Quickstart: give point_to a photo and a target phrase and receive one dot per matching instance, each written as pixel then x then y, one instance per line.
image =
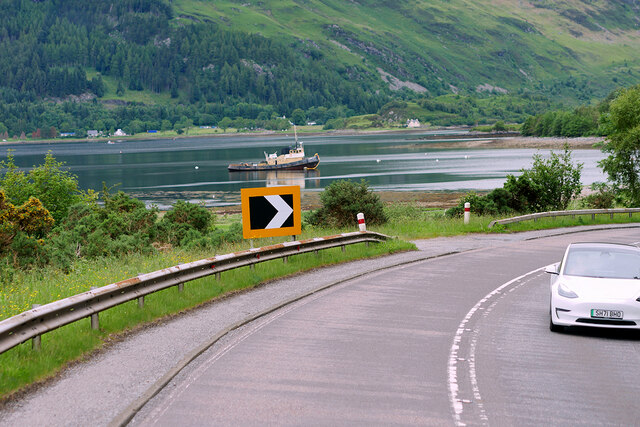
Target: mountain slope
pixel 454 45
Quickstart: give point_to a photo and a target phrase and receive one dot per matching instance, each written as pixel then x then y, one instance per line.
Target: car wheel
pixel 555 328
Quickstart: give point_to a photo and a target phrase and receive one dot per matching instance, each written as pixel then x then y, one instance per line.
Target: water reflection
pixel 162 171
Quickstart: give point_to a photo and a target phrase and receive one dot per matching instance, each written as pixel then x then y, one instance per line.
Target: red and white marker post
pixel 467 212
pixel 361 224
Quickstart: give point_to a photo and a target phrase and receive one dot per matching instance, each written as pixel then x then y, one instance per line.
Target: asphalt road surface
pixel 454 334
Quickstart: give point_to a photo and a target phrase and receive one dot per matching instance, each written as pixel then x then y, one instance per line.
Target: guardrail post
pixel 361 224
pixel 285 259
pixel 36 341
pixel 611 215
pixel 630 214
pixel 51 317
pixel 180 286
pixel 218 275
pixel 593 217
pixel 467 212
pixel 95 321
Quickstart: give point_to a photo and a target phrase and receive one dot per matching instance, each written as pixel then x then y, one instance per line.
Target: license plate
pixel 606 314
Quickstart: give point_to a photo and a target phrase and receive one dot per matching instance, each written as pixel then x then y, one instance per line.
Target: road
pixel 455 333
pixel 461 339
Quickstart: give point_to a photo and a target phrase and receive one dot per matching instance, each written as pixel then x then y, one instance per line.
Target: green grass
pixel 21 365
pixel 411 222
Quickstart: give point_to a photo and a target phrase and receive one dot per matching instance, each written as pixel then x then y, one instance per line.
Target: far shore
pixel 473 140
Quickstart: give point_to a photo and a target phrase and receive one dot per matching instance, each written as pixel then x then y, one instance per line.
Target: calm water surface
pixel 164 170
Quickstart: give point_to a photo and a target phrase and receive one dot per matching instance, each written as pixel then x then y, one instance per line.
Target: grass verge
pixel 22 366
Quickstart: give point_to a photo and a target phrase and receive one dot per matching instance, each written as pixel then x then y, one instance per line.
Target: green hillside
pixel 462 45
pixel 73 65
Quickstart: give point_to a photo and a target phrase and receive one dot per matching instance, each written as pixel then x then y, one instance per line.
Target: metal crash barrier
pixel 553 214
pixel 31 324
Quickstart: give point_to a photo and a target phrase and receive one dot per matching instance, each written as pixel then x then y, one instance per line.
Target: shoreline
pixel 472 140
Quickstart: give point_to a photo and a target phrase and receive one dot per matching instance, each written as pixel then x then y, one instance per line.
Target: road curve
pixel 455 340
pixel 411 372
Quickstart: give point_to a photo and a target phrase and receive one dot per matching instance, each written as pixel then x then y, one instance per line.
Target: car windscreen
pixel 603 262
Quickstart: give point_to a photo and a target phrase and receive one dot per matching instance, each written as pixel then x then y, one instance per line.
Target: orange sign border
pixel 246 193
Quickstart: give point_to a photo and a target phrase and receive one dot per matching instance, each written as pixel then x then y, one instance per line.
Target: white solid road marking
pixel 454 400
pixel 283 208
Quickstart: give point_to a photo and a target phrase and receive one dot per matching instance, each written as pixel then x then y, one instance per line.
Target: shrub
pixel 341 202
pixel 196 216
pixel 603 198
pixel 549 185
pixel 20 228
pixel 185 222
pixel 56 188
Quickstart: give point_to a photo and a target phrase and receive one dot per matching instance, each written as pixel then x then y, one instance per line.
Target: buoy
pixel 377 160
pixel 196 167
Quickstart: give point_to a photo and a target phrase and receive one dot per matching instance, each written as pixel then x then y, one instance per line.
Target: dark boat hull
pixel 306 163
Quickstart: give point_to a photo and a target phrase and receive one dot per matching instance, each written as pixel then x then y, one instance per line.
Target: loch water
pixel 161 171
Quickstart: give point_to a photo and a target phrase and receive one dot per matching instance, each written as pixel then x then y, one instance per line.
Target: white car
pixel 596 284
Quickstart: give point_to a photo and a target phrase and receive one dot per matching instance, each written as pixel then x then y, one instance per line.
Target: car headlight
pixel 564 291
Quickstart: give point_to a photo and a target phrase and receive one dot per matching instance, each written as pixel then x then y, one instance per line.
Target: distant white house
pixel 119 132
pixel 413 123
pixel 92 133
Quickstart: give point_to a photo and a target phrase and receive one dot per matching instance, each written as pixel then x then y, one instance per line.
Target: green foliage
pixel 55 187
pixel 184 223
pixel 123 225
pixel 499 201
pixel 133 53
pixel 550 184
pixel 623 145
pixel 20 230
pixel 603 197
pixel 499 126
pixel 342 200
pixel 583 121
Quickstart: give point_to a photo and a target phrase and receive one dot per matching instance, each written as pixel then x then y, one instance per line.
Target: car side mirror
pixel 552 269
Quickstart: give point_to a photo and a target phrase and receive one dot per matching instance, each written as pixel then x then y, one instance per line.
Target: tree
pixel 549 185
pixel 623 145
pixel 225 123
pixel 298 117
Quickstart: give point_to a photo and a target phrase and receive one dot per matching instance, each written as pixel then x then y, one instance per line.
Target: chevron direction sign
pixel 271 211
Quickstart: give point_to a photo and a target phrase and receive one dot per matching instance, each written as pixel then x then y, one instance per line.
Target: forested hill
pixel 162 60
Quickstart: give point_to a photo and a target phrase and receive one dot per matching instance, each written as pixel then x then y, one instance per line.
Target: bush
pixel 196 216
pixel 56 188
pixel 603 198
pixel 496 202
pixel 185 222
pixel 549 185
pixel 343 200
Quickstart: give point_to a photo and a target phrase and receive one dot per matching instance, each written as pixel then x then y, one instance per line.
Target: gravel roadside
pixel 99 390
